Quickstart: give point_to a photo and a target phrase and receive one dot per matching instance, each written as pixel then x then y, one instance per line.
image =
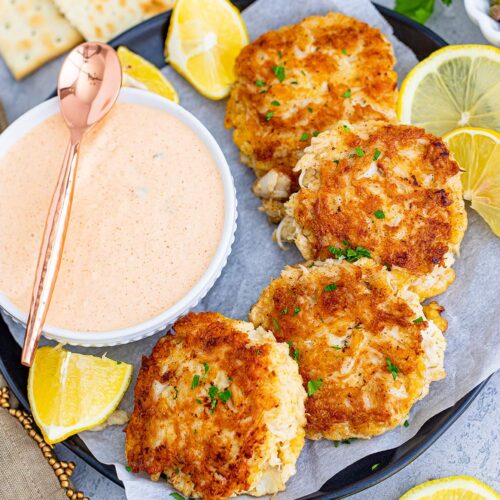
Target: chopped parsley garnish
pixel 195 382
pixel 418 320
pixel 336 161
pixel 379 214
pixel 279 71
pixel 296 311
pixel 206 367
pixel 392 368
pixel 199 401
pixel 387 266
pixel 376 155
pixel 295 352
pixel 346 128
pixel 337 347
pixel 313 386
pixel 213 391
pixel 315 133
pixel 276 324
pixel 310 109
pixel 213 405
pixel 406 423
pixel 346 94
pixel 260 83
pixel 375 466
pixel 225 395
pixel 331 287
pixel 269 115
pixel 118 362
pixel 275 103
pixel 350 254
pixel 344 51
pixel 284 311
pixel 303 72
pixel 257 352
pixel 305 136
pixel 294 82
pixel 128 468
pixel 344 441
pixel 359 152
pixel 280 54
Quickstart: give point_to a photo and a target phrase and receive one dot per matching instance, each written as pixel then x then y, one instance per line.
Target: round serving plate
pixel 148 39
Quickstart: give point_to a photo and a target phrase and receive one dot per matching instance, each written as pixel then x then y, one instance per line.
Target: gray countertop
pixel 469 447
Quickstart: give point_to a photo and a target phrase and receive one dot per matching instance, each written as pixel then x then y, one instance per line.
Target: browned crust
pixel 363 299
pixel 205 456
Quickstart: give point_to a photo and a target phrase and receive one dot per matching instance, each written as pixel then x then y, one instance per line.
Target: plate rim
pixel 444 420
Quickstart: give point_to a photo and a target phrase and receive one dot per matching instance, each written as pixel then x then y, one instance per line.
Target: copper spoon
pixel 89 83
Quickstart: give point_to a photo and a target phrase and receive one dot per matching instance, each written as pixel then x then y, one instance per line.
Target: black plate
pixel 148 40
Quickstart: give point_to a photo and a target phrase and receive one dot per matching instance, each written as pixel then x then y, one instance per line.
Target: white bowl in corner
pixel 478 11
pixel 139 331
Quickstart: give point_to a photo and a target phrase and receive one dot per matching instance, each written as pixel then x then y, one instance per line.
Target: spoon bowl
pixel 89 84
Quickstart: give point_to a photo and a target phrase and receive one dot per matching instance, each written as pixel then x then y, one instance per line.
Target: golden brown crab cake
pixel 364 348
pixel 392 190
pixel 219 410
pixel 300 80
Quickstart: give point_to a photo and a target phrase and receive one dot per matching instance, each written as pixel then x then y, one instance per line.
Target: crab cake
pixel 299 80
pixel 219 410
pixel 392 191
pixel 365 350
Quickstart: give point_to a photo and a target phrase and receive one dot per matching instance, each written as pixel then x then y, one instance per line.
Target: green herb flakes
pixel 418 320
pixel 260 83
pixel 376 155
pixel 269 115
pixel 279 71
pixel 213 391
pixel 344 51
pixel 346 128
pixel 392 368
pixel 176 392
pixel 195 382
pixel 350 254
pixel 296 311
pixel 359 152
pixel 379 214
pixel 313 386
pixel 331 287
pixel 315 133
pixel 310 109
pixel 206 367
pixel 128 468
pixel 284 311
pixel 275 103
pixel 305 136
pixel 346 94
pixel 406 423
pixel 375 466
pixel 118 362
pixel 225 395
pixel 280 54
pixel 276 325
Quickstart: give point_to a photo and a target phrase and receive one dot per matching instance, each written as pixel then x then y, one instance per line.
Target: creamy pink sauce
pixel 147 217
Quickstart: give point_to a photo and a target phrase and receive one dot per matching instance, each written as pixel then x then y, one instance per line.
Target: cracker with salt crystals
pixel 31 33
pixel 101 20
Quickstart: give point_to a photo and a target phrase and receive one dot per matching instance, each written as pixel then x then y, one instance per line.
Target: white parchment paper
pixel 472 303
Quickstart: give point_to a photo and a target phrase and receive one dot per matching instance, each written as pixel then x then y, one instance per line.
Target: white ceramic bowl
pixel 478 11
pixel 136 332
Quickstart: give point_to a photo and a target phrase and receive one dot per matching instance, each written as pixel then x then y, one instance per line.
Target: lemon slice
pixel 452 488
pixel 141 74
pixel 477 151
pixel 70 392
pixel 454 87
pixel 203 41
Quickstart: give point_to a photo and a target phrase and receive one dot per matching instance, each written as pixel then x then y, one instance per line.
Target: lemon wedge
pixel 140 73
pixel 456 86
pixel 70 392
pixel 477 151
pixel 203 41
pixel 452 488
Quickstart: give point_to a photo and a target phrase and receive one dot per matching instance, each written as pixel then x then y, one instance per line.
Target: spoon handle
pixel 51 250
